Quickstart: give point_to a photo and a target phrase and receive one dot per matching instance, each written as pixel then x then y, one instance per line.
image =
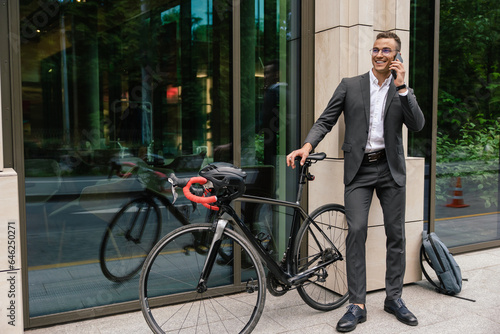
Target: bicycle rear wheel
pixel 322 239
pixel 128 239
pixel 233 301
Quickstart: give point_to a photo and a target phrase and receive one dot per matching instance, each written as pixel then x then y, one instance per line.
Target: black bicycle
pixel 185 285
pixel 136 227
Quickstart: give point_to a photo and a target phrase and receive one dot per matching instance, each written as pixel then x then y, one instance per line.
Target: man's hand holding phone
pixel 398 72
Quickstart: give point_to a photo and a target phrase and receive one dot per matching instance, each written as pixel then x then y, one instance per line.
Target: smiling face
pixel 380 62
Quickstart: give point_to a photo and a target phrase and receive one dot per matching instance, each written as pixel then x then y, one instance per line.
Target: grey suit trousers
pixel 375 177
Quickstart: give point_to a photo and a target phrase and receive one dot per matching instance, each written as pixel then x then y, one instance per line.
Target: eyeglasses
pixel 385 51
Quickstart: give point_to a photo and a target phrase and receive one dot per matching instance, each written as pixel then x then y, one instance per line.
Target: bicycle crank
pixel 274 286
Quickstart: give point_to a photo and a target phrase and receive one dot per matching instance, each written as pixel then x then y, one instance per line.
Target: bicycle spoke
pixel 320 247
pixel 224 307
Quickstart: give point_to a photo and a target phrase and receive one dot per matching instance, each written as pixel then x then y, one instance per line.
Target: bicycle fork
pixel 212 255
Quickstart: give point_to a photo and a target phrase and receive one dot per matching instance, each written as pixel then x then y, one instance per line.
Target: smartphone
pixel 398 57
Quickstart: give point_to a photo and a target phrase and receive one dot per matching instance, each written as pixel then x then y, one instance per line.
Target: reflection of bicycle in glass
pixel 135 229
pixel 208 292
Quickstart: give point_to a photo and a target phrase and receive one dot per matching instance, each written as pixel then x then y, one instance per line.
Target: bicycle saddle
pixel 317 156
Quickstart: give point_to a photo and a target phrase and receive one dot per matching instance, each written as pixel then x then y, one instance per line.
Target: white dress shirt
pixel 378 98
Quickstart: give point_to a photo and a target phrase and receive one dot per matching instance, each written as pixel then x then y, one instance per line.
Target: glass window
pixel 269 113
pixel 468 132
pixel 119 94
pixel 116 94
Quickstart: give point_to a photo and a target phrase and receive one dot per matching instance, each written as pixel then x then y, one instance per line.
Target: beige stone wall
pixel 344 33
pixel 11 306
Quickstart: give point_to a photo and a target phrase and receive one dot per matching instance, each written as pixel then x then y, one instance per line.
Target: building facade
pixel 90 88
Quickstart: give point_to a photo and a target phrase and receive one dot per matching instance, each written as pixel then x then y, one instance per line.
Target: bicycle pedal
pixel 322 275
pixel 251 286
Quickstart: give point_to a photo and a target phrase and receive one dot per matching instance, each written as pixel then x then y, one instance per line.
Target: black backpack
pixel 439 258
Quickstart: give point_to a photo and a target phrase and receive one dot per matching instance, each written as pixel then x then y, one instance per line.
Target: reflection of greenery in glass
pixel 469 96
pixel 170 15
pixel 473 154
pixel 469 63
pixel 259 148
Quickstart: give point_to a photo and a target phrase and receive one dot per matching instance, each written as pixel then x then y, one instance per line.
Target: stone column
pixel 344 33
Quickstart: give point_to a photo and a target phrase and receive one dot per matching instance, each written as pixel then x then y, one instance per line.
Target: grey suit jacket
pixel 352 97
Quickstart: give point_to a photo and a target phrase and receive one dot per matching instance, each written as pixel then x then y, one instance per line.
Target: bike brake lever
pixel 174 192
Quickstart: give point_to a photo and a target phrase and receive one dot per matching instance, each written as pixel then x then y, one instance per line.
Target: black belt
pixel 373 156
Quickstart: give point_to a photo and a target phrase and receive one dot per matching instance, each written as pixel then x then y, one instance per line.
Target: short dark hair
pixel 390 34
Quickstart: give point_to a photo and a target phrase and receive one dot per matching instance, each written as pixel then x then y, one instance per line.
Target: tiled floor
pixel 289 314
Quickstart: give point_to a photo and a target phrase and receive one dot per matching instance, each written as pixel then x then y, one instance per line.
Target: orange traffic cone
pixel 458 197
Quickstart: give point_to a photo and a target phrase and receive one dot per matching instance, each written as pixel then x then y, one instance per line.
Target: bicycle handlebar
pixel 194 194
pixel 194 198
pixel 198 196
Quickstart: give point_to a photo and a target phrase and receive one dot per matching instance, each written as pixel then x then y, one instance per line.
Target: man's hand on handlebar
pixel 301 153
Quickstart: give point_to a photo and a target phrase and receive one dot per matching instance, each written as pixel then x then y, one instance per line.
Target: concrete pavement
pixel 289 314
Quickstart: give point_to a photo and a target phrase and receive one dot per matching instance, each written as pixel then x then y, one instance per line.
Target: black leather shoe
pixel 398 308
pixel 354 315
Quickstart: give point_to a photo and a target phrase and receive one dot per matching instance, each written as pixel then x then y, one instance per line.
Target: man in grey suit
pixel 375 106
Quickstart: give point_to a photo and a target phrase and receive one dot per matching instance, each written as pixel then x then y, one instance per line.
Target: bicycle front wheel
pixel 170 294
pixel 128 239
pixel 322 239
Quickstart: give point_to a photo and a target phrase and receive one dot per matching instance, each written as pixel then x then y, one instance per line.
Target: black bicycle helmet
pixel 228 180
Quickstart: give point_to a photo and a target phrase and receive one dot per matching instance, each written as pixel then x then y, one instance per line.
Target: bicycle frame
pixel 218 266
pixel 283 275
pixel 286 275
